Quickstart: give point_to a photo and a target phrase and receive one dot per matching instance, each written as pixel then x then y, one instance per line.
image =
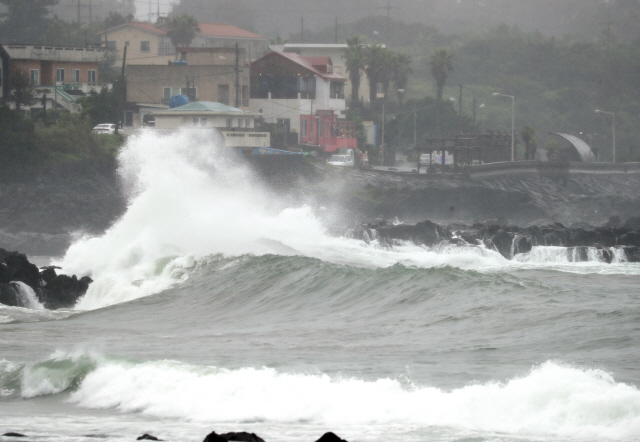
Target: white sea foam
pixel 27 296
pixel 187 200
pixel 552 400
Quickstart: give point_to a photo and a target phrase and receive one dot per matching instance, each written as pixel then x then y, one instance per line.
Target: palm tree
pixel 182 30
pixel 354 63
pixel 441 65
pixel 528 135
pixel 401 72
pixel 378 62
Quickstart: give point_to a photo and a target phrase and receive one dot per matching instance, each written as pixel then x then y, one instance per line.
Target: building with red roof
pixel 304 96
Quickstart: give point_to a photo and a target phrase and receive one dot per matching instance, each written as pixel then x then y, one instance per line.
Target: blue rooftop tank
pixel 180 62
pixel 178 100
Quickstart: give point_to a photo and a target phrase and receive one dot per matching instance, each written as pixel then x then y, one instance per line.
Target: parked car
pixel 106 128
pixel 341 160
pixel 425 159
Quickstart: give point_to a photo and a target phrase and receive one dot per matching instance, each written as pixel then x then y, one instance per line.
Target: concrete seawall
pixel 550 169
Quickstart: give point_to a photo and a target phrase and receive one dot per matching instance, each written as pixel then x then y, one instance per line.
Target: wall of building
pixel 272 110
pixel 145 84
pixel 135 54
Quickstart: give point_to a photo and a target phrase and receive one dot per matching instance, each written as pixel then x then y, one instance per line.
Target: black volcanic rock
pixel 52 290
pixel 242 437
pixel 214 437
pixel 330 437
pixel 513 240
pixel 146 436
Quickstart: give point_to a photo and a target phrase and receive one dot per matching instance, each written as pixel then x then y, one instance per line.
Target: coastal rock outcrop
pixel 608 243
pixel 53 291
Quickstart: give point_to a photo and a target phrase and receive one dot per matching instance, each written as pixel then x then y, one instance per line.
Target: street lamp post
pixel 613 116
pixel 513 113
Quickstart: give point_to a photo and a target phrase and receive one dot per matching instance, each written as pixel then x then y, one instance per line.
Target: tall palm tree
pixel 379 62
pixel 182 30
pixel 441 64
pixel 354 63
pixel 401 72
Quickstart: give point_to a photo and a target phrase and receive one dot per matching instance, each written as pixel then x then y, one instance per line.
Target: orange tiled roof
pixel 225 30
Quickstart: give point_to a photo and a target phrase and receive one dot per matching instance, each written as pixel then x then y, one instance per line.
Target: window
pixel 111 45
pixel 247 122
pixel 126 43
pixel 128 118
pixel 199 121
pixel 320 126
pixel 91 73
pixel 245 95
pixel 190 92
pixel 75 75
pixel 35 77
pixel 229 123
pixel 166 48
pixel 59 74
pixel 336 89
pixel 304 131
pixel 145 46
pixel 223 94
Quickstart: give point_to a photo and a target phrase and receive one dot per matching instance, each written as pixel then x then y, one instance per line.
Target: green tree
pixel 401 72
pixel 441 63
pixel 378 62
pixel 354 64
pixel 528 137
pixel 182 30
pixel 22 94
pixel 114 19
pixel 25 20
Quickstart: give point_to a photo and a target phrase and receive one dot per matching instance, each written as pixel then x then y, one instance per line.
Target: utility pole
pixel 302 29
pixel 474 112
pixel 415 142
pixel 386 33
pixel 460 112
pixel 336 29
pixel 78 13
pixel 237 71
pixel 90 12
pixel 123 85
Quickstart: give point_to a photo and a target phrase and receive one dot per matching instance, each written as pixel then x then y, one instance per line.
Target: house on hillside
pixel 150 45
pixel 63 73
pixel 203 74
pixel 236 126
pixel 303 95
pixel 336 53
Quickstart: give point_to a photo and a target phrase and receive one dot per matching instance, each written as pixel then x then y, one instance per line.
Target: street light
pixel 513 109
pixel 613 116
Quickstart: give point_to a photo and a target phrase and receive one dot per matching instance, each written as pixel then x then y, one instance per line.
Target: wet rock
pixel 13 435
pixel 242 437
pixel 330 437
pixel 214 437
pixel 146 436
pixel 52 290
pixel 502 241
pixel 63 291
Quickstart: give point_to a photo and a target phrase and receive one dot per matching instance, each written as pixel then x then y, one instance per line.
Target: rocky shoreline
pixel 603 243
pixel 22 284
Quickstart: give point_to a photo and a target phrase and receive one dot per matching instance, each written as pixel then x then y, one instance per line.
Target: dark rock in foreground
pixel 146 436
pixel 330 437
pixel 582 244
pixel 51 290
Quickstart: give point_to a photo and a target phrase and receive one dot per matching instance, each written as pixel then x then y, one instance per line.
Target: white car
pixel 106 128
pixel 425 159
pixel 341 160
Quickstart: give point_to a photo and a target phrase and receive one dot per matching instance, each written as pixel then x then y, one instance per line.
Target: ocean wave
pixel 552 399
pixel 189 200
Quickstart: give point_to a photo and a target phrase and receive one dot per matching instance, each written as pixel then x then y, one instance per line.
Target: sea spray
pixel 190 198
